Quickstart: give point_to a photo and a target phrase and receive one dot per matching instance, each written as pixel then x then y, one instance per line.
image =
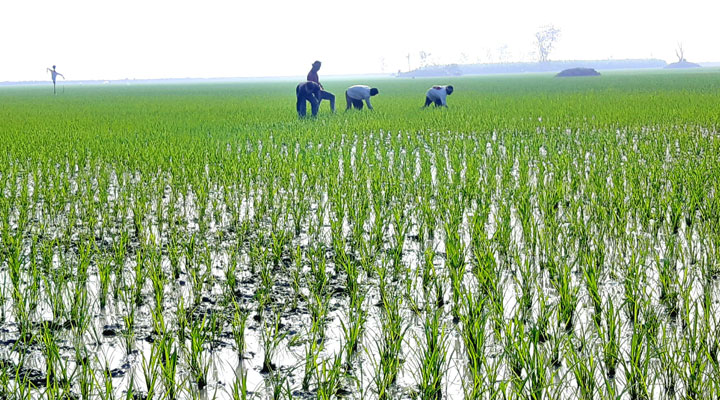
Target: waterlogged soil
pixel 122 360
pixel 119 356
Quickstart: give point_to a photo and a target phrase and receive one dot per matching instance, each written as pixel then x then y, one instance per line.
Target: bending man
pixel 307 91
pixel 312 76
pixel 355 95
pixel 438 95
pixel 54 74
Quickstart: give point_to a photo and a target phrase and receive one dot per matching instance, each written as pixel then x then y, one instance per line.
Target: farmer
pixel 307 91
pixel 438 95
pixel 54 75
pixel 312 76
pixel 355 95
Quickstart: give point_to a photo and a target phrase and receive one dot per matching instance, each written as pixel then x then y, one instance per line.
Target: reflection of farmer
pixel 313 77
pixel 54 75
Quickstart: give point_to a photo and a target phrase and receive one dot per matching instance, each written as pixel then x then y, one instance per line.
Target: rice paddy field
pixel 539 239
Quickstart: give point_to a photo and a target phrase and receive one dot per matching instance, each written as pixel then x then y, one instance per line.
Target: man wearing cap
pixel 355 95
pixel 312 76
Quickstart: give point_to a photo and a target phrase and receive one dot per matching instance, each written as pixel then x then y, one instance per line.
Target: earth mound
pixel 682 64
pixel 577 72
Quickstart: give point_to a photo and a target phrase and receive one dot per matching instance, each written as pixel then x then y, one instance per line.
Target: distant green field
pixel 540 238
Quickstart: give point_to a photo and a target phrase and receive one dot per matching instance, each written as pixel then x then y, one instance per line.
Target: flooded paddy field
pixel 538 239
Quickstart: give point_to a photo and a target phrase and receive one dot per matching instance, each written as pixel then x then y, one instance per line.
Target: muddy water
pixel 123 359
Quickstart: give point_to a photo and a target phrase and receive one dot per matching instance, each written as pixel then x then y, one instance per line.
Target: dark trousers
pixel 437 102
pixel 358 104
pixel 328 96
pixel 302 106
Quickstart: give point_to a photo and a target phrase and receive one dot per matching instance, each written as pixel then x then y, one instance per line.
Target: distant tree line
pixel 526 67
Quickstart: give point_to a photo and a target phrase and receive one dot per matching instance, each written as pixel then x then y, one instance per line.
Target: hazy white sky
pixel 100 39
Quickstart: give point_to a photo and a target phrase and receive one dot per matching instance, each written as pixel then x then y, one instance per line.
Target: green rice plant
pixel 516 351
pixel 351 269
pixel 238 329
pixel 610 340
pixel 538 370
pixel 140 274
pixel 85 377
pixel 197 359
pixel 79 317
pixel 51 355
pixel 264 289
pixel 568 297
pixel 168 354
pixel 182 320
pixel 128 318
pixel 329 377
pixel 525 278
pixel 354 327
pixel 239 387
pixel 455 251
pixel 591 277
pixel 271 337
pixel 296 275
pixel 151 370
pixel 433 357
pixel 278 385
pixel 389 349
pixel 637 365
pixel 157 276
pixel 107 391
pixel 174 252
pixel 633 292
pixel 669 363
pixel 473 318
pixel 313 347
pixel 583 368
pixel 318 270
pixel 104 270
pixel 400 230
pixel 693 359
pixel 231 274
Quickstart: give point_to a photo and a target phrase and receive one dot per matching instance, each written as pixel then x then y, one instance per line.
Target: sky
pixel 149 39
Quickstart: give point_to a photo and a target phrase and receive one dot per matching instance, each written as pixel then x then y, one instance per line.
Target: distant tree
pixel 503 53
pixel 545 39
pixel 680 53
pixel 463 58
pixel 424 57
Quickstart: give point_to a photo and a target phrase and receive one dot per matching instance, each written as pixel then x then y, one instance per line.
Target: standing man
pixel 438 95
pixel 54 75
pixel 312 76
pixel 355 95
pixel 307 91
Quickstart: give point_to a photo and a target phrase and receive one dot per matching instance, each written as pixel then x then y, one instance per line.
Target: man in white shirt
pixel 355 95
pixel 438 95
pixel 54 74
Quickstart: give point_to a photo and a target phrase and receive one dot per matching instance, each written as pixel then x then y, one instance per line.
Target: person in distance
pixel 312 76
pixel 54 74
pixel 438 95
pixel 356 94
pixel 307 92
